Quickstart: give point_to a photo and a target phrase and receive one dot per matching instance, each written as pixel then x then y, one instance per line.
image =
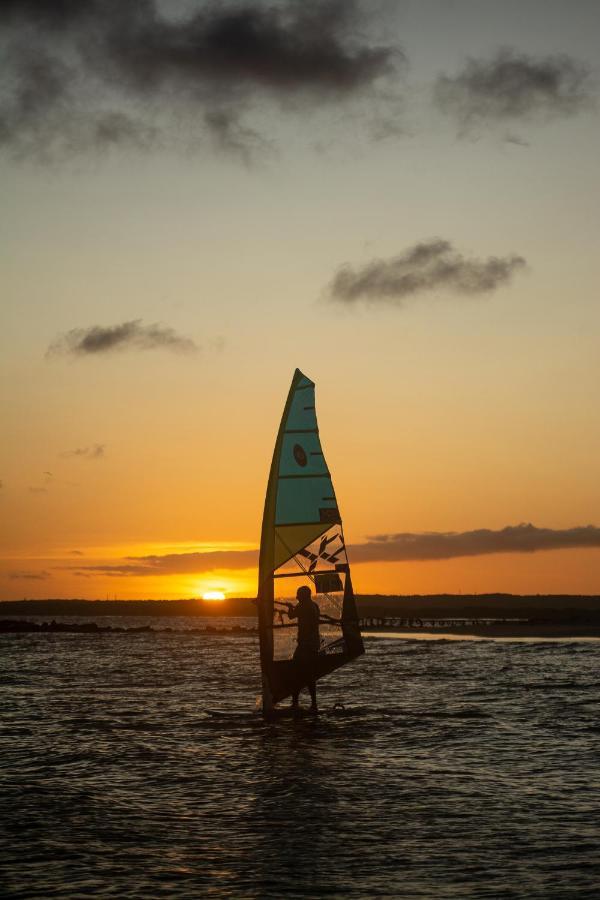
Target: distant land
pixel 539 607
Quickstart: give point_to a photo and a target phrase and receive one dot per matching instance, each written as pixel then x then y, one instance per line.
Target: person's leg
pixel 295 698
pixel 312 687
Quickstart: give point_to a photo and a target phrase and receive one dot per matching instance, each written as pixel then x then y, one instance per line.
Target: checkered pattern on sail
pixel 321 565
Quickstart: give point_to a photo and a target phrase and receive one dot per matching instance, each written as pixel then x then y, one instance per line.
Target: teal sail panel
pixel 305 494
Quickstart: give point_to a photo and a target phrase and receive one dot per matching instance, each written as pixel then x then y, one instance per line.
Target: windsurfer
pixel 305 656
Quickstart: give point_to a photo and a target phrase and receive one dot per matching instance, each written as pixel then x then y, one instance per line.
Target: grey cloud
pixel 103 72
pixel 95 451
pixel 178 563
pixel 119 129
pixel 232 137
pixel 524 538
pixel 426 266
pixel 513 86
pixel 100 339
pixel 516 139
pixel 402 547
pixel 29 576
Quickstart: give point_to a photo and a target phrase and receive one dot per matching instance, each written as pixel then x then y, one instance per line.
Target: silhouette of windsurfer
pixel 309 640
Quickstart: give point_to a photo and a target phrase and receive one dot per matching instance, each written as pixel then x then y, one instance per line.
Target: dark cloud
pixel 178 563
pixel 513 86
pixel 525 538
pixel 115 129
pixel 53 14
pixel 427 266
pixel 80 73
pixel 95 451
pixel 29 576
pixel 100 339
pixel 76 553
pixel 403 547
pixel 516 139
pixel 230 135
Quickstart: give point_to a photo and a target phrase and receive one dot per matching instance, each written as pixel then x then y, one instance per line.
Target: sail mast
pixel 266 563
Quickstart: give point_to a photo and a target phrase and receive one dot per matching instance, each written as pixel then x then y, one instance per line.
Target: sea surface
pixel 135 766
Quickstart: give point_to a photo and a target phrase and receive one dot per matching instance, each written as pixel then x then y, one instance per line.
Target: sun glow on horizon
pixel 213 595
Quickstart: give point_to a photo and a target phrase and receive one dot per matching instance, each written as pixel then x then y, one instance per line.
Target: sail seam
pixel 308 475
pixel 301 431
pixel 293 524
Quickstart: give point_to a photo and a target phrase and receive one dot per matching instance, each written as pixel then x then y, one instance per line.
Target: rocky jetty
pixel 23 626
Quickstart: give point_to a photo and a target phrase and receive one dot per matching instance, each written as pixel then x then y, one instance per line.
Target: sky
pixel 398 198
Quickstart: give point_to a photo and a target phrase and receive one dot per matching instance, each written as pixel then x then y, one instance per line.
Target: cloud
pixel 76 553
pixel 230 135
pixel 513 86
pixel 516 139
pixel 95 451
pixel 93 73
pixel 403 547
pixel 177 563
pixel 426 266
pixel 524 538
pixel 29 576
pixel 134 335
pixel 37 490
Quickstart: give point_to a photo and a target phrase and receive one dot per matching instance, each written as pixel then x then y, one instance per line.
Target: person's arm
pixel 292 611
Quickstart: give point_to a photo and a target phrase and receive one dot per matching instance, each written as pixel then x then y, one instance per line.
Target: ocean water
pixel 134 766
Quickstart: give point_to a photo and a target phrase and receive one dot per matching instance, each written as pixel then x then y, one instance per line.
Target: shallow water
pixel 458 769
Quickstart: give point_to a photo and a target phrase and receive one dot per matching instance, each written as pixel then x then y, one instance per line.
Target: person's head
pixel 303 593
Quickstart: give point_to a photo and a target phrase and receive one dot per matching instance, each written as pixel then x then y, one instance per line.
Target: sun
pixel 213 595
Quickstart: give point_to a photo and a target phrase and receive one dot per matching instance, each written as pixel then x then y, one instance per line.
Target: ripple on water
pixel 456 769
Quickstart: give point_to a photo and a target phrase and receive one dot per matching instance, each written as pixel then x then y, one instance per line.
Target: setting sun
pixel 213 595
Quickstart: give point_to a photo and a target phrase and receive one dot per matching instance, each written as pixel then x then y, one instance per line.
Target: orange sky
pixel 445 409
pixel 199 480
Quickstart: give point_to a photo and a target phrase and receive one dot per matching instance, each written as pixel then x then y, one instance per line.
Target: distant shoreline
pixel 440 615
pixel 406 606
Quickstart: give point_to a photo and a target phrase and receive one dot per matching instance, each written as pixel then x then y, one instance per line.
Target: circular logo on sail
pixel 300 455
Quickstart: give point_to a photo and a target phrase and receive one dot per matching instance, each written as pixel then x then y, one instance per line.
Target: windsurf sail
pixel 302 542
